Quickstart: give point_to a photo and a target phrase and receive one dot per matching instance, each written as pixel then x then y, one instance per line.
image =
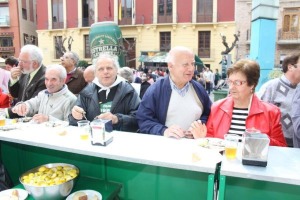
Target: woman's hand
pixel 198 129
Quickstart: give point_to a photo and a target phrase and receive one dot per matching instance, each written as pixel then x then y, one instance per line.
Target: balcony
pixel 7 49
pixel 164 19
pixel 4 21
pixel 288 37
pixel 204 18
pixel 57 25
pixel 86 22
pixel 125 21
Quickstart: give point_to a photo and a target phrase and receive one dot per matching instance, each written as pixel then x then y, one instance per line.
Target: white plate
pixel 8 127
pixel 90 194
pixel 211 143
pixel 5 194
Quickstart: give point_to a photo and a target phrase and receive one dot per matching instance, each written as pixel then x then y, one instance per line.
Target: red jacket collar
pixel 255 107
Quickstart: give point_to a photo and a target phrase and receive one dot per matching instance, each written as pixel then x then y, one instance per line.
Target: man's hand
pixel 198 129
pixel 77 112
pixel 21 109
pixel 40 118
pixel 109 116
pixel 174 131
pixel 15 72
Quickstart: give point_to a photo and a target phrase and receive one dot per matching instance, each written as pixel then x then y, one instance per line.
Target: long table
pixel 147 166
pixel 279 180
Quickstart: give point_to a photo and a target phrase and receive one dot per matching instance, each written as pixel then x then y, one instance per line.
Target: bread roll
pixel 15 193
pixel 80 196
pixel 95 197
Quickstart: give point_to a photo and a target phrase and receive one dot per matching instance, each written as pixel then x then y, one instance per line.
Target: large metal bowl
pixel 56 192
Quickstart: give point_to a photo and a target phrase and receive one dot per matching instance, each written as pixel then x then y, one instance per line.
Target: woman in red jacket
pixel 242 109
pixel 4 100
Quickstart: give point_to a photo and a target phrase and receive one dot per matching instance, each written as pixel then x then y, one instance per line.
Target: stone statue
pixel 228 49
pixel 60 45
pixel 70 40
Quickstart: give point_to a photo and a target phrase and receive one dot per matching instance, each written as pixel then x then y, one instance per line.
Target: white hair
pixel 174 51
pixel 126 73
pixel 112 57
pixel 34 52
pixel 62 71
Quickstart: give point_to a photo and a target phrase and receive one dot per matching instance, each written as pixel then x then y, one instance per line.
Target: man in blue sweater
pixel 173 103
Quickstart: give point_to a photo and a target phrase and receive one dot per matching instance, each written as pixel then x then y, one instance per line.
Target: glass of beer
pixel 2 118
pixel 84 128
pixel 231 145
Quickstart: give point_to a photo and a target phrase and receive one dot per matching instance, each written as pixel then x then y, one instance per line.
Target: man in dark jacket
pixel 108 97
pixel 28 78
pixel 173 103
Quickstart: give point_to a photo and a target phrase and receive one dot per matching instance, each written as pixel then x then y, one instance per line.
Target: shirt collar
pixel 71 72
pixel 32 74
pixel 181 91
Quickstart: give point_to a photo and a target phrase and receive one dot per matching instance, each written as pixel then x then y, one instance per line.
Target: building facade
pixel 287 34
pixel 147 26
pixel 17 26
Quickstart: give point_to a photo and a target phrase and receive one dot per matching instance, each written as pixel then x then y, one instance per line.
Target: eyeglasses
pixel 236 82
pixel 64 57
pixel 24 61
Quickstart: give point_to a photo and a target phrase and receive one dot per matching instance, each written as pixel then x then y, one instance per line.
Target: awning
pixel 160 57
pixel 150 56
pixel 198 61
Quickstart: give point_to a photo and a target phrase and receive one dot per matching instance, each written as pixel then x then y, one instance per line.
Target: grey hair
pixel 34 52
pixel 112 57
pixel 126 73
pixel 62 71
pixel 174 51
pixel 74 56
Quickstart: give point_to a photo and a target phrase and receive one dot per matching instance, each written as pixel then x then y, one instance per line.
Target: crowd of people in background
pixel 154 100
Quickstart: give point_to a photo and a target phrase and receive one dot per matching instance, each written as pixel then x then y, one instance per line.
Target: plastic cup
pixel 2 118
pixel 84 127
pixel 231 145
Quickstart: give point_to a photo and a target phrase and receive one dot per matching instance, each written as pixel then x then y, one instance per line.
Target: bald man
pixel 89 74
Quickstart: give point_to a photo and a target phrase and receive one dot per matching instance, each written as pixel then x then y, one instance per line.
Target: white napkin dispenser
pixel 255 148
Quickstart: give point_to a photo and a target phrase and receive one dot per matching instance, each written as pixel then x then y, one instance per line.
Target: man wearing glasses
pixel 280 92
pixel 174 102
pixel 75 80
pixel 28 78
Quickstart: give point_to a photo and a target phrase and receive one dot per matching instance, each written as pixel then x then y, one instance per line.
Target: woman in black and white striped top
pixel 242 109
